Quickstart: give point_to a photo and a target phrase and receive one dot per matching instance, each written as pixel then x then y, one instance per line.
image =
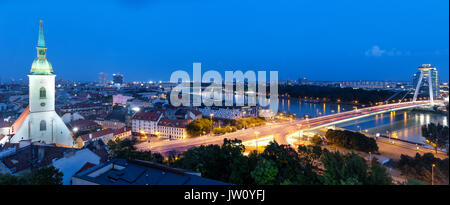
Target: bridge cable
pixel 395 94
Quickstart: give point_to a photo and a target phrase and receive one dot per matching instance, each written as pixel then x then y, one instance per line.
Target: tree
pixel 224 163
pixel 290 165
pixel 8 179
pixel 420 168
pixel 45 176
pixel 316 140
pixel 436 135
pixel 42 176
pixel 198 126
pixel 265 173
pixel 378 174
pixel 351 140
pixel 413 181
pixel 125 149
pixel 310 155
pixel 345 169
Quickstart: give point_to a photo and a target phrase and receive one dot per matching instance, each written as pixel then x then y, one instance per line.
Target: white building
pixel 69 117
pixel 120 99
pixel 173 129
pixel 74 161
pixel 40 121
pixel 146 122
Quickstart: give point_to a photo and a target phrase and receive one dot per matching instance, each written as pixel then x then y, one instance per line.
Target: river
pixel 404 125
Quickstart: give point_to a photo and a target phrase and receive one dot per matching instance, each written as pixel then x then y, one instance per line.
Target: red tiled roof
pixel 28 156
pixel 97 134
pixel 20 120
pixel 150 116
pixel 174 123
pixel 85 167
pixel 83 123
pixel 120 131
pixel 5 124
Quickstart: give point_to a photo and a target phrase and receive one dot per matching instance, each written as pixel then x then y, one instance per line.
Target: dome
pixel 41 66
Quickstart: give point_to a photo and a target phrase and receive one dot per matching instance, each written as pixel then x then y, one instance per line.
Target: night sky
pixel 147 40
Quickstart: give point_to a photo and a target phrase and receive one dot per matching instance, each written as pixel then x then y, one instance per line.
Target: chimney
pixel 41 153
pixel 24 143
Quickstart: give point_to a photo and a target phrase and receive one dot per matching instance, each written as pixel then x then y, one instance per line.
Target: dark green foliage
pixel 225 163
pixel 199 126
pixel 419 168
pixel 436 135
pixel 125 149
pixel 346 169
pixel 265 173
pixel 316 140
pixel 224 130
pixel 351 140
pixel 43 176
pixel 310 155
pixel 248 122
pixel 378 174
pixel 413 181
pixel 290 165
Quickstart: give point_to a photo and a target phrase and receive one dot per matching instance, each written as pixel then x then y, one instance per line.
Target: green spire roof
pixel 41 41
pixel 40 65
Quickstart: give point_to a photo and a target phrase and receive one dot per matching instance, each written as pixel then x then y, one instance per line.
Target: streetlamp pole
pixel 212 122
pixel 387 132
pixel 432 174
pixel 256 141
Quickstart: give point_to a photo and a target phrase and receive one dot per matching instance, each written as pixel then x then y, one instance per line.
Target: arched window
pixel 42 93
pixel 43 126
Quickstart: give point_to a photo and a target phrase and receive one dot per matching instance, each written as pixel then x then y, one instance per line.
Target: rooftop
pixel 138 172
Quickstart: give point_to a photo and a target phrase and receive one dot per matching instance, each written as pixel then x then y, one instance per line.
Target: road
pixel 280 131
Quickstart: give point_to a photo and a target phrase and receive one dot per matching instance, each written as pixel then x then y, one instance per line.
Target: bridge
pixel 337 118
pixel 280 131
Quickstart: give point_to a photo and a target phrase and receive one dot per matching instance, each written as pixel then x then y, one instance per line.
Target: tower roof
pixel 41 41
pixel 41 66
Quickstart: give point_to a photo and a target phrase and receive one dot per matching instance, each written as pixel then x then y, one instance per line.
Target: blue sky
pixel 149 39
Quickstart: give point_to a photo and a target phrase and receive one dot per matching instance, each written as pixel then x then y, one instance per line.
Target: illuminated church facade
pixel 39 121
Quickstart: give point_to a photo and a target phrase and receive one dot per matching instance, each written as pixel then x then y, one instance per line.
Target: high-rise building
pixel 118 79
pixel 39 121
pixel 424 89
pixel 102 78
pixel 302 81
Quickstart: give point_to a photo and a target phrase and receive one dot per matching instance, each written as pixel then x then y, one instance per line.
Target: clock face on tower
pixel 42 52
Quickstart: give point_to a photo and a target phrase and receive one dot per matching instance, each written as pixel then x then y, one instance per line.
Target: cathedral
pixel 39 122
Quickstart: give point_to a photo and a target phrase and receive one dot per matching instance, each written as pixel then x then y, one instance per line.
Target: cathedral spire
pixel 41 41
pixel 40 65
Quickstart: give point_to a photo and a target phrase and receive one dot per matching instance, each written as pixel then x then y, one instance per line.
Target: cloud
pixel 375 51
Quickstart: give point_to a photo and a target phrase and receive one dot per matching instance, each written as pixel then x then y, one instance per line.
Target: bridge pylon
pixel 425 70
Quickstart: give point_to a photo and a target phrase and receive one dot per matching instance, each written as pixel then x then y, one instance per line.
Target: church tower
pixel 41 122
pixel 42 79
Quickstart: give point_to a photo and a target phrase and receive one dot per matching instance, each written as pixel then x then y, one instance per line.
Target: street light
pixel 432 174
pixel 256 140
pixel 212 123
pixel 387 132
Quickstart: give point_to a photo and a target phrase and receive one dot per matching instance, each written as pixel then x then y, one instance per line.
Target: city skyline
pixel 151 45
pixel 205 92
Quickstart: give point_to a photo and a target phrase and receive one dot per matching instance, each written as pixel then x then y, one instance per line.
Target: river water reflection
pixel 404 125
